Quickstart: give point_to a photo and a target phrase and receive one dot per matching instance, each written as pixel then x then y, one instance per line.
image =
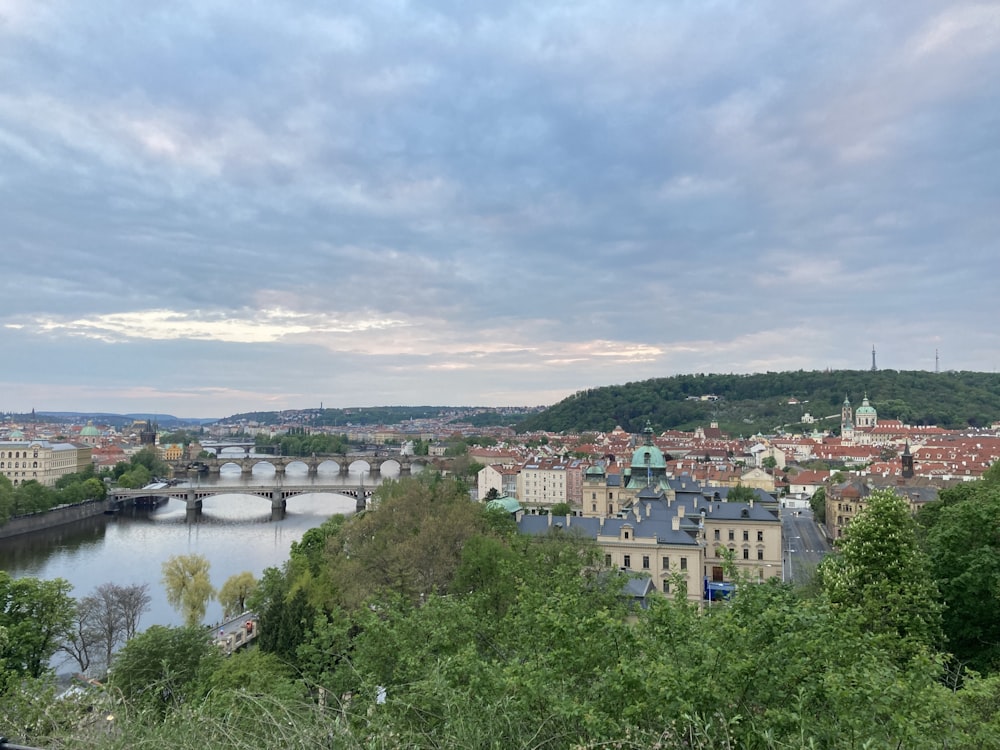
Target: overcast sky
pixel 217 206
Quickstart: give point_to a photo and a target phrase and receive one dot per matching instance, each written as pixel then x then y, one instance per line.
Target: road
pixel 804 545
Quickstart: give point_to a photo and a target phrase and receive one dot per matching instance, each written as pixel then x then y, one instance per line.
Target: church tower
pixel 907 459
pixel 846 420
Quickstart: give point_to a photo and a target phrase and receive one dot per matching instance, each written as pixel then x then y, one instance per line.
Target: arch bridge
pixel 277 494
pixel 246 464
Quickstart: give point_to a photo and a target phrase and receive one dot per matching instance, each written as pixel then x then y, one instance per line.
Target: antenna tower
pixel 874 368
pixel 937 363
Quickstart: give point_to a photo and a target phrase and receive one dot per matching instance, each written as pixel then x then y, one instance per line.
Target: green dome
pixel 648 455
pixel 865 408
pixel 90 431
pixel 16 435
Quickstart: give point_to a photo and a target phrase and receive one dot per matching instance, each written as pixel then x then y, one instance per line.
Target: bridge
pixel 277 494
pixel 343 462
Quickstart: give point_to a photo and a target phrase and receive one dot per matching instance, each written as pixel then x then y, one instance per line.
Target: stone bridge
pixel 375 462
pixel 277 494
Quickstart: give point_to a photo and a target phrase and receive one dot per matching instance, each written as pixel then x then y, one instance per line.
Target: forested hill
pixel 747 404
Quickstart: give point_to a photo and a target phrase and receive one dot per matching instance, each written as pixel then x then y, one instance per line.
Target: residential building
pixel 541 484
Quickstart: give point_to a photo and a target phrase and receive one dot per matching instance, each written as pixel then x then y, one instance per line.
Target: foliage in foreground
pixel 518 642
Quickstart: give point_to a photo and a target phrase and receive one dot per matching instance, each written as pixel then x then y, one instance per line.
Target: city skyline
pixel 217 208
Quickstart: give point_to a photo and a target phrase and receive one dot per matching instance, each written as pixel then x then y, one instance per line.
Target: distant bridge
pixel 277 494
pixel 374 460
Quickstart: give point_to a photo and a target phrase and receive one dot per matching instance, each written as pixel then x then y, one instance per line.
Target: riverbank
pixel 50 519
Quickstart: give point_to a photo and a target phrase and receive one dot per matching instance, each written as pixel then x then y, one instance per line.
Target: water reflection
pixel 235 531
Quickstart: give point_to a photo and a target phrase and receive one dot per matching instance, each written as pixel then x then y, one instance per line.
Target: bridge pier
pixel 193 502
pixel 277 501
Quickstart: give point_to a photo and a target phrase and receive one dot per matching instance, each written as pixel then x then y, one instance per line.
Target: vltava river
pixel 234 531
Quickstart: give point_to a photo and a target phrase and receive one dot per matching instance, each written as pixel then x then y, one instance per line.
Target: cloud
pixel 465 200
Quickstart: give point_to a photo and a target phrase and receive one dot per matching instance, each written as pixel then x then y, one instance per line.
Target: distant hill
pixel 747 404
pixel 480 416
pixel 119 420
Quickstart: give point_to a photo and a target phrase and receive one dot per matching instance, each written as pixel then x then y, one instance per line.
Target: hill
pixel 745 404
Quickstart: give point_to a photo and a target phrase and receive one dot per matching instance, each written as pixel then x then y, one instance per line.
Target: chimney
pixel 680 511
pixel 549 516
pixel 647 510
pixel 675 523
pixel 600 528
pixel 568 517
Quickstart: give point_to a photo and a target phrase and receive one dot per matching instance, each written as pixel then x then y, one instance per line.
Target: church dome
pixel 16 435
pixel 90 431
pixel 648 455
pixel 865 408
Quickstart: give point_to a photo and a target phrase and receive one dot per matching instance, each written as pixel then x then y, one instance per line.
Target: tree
pixel 36 615
pixel 235 591
pixel 962 540
pixel 741 494
pixel 188 586
pixel 104 620
pixel 163 667
pixel 492 494
pixel 769 462
pixel 884 576
pixel 561 509
pixel 818 504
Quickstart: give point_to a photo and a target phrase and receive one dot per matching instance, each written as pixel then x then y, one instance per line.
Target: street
pixel 804 545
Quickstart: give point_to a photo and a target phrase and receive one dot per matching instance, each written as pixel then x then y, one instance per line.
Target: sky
pixel 220 206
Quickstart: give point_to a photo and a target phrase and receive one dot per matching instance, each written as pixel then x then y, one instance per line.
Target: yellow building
pixel 172 451
pixel 42 461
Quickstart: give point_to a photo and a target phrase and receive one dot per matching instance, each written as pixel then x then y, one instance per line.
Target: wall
pixel 55 517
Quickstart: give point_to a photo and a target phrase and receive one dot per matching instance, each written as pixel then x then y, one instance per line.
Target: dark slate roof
pixel 659 527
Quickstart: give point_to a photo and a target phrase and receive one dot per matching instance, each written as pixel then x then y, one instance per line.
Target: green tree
pixel 36 615
pixel 962 540
pixel 561 509
pixel 134 478
pixel 741 494
pixel 235 591
pixel 884 576
pixel 818 504
pixel 769 462
pixel 164 667
pixel 188 586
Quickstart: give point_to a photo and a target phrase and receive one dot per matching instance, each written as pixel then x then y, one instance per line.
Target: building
pixel 41 461
pixel 675 530
pixel 542 484
pixel 680 544
pixel 501 478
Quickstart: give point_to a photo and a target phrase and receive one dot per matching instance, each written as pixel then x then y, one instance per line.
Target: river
pixel 234 531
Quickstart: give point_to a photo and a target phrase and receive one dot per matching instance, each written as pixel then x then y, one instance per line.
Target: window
pixel 593 495
pixel 760 536
pixel 760 554
pixel 718 551
pixel 732 535
pixel 716 535
pixel 607 560
pixel 645 562
pixel 626 535
pixel 593 507
pixel 628 561
pixel 746 554
pixel 666 587
pixel 746 535
pixel 666 563
pixel 684 563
